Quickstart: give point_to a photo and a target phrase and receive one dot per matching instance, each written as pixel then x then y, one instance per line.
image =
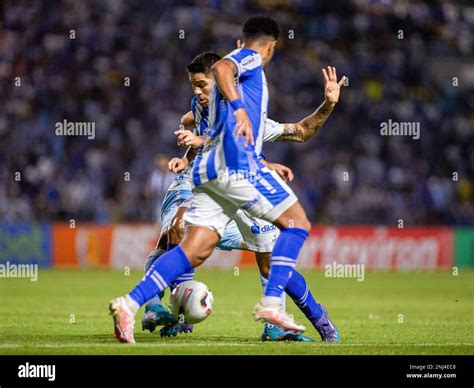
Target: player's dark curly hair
pixel 203 63
pixel 258 27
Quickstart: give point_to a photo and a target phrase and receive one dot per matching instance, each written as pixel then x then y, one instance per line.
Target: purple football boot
pixel 326 329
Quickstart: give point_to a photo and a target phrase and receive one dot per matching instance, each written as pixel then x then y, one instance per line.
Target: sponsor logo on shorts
pixel 256 229
pixel 252 202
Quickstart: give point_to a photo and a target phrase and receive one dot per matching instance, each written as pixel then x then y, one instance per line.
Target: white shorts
pixel 245 233
pixel 258 235
pixel 216 202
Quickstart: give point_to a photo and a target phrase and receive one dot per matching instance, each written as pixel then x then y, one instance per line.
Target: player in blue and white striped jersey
pixel 242 233
pixel 230 175
pixel 235 178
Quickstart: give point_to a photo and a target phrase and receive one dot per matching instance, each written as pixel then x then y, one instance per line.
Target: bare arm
pixel 224 73
pixel 187 120
pixel 305 129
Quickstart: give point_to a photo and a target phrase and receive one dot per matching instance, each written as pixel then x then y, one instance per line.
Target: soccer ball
pixel 193 300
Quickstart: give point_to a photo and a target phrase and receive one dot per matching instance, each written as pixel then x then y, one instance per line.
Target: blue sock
pixel 161 274
pixel 152 257
pixel 298 290
pixel 189 275
pixel 169 246
pixel 285 252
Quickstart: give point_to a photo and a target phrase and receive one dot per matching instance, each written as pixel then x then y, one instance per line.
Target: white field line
pixel 221 344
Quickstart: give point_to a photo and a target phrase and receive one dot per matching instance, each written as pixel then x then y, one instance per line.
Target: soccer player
pixel 258 237
pixel 243 233
pixel 229 175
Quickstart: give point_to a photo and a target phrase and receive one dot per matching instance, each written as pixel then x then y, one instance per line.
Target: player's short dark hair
pixel 203 62
pixel 259 27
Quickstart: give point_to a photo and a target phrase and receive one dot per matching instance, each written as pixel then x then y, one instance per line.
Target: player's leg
pixel 175 236
pixel 259 236
pixel 231 239
pixel 294 227
pixel 270 331
pixel 294 231
pixel 155 313
pixel 167 268
pixel 268 197
pixel 247 233
pixel 300 293
pixel 316 313
pixel 198 243
pixel 207 219
pixel 265 195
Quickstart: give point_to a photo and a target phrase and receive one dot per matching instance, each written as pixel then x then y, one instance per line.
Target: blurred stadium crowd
pixel 407 61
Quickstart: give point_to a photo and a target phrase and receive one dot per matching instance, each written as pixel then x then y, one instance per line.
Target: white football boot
pixel 269 309
pixel 123 310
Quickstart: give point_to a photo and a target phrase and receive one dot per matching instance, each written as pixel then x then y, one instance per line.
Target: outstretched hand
pixel 332 88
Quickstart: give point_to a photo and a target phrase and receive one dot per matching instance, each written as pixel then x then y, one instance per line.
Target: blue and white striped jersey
pixel 222 152
pixel 201 119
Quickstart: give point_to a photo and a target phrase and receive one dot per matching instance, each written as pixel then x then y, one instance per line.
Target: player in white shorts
pixel 242 233
pixel 229 175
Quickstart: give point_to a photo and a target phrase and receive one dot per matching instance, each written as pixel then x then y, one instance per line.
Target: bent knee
pixel 198 256
pixel 176 230
pixel 196 253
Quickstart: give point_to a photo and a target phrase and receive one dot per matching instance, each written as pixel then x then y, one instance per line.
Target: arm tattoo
pixel 306 128
pixel 291 132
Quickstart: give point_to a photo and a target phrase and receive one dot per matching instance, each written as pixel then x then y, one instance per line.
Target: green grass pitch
pixel 387 313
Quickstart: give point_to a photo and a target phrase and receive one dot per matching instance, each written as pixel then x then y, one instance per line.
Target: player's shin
pixel 155 313
pixel 150 260
pixel 283 261
pixel 298 290
pixel 166 269
pixel 189 275
pixel 316 313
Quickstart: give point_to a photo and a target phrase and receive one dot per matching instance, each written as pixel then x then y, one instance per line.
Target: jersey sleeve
pixel 247 62
pixel 273 130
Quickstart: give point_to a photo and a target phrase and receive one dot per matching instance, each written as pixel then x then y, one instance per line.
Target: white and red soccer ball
pixel 193 300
